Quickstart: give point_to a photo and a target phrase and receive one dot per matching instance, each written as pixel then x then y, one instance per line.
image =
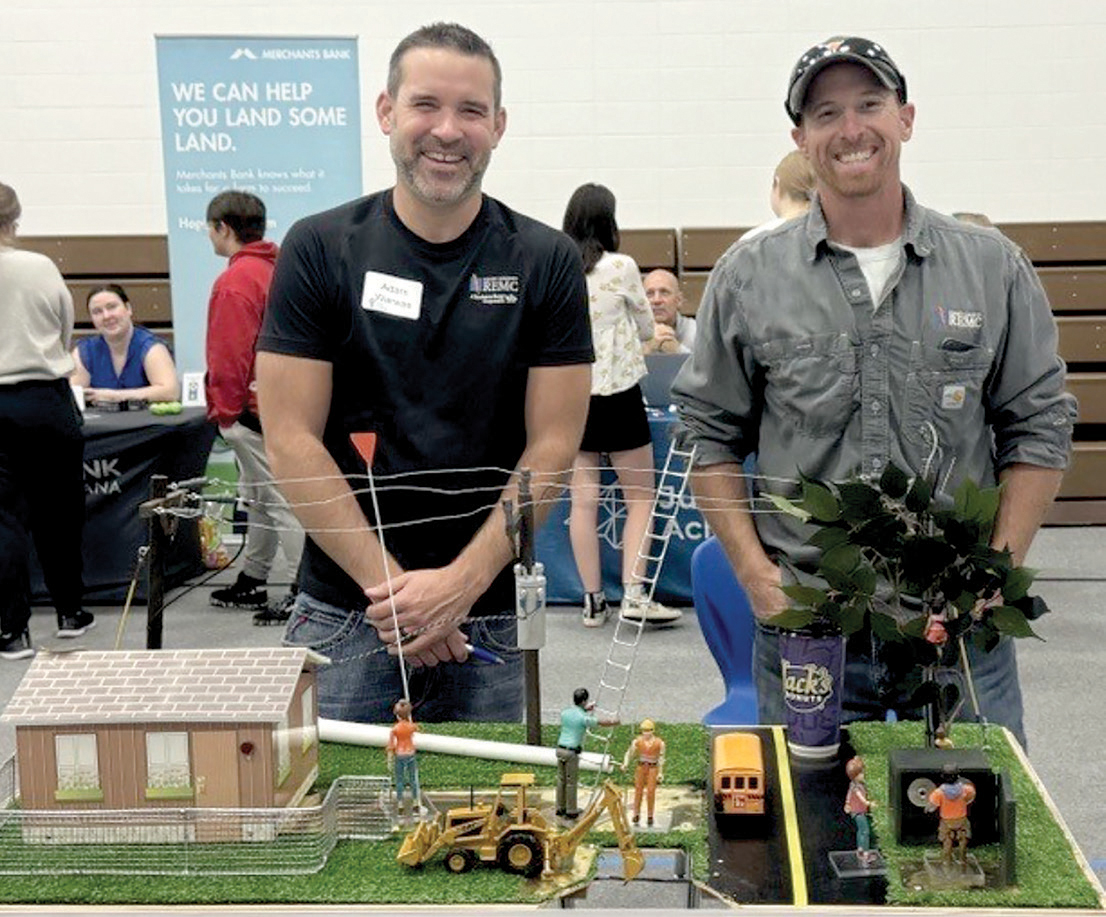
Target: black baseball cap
pixel 840 50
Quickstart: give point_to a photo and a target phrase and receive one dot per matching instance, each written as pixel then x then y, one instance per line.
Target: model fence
pixel 191 841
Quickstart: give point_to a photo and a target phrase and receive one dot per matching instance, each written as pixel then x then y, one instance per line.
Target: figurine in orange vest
pixel 951 800
pixel 648 749
pixel 401 755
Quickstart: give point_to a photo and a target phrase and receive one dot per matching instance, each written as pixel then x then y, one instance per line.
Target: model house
pixel 221 728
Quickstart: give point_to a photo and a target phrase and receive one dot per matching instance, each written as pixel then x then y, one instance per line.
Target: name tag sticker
pixel 952 397
pixel 395 296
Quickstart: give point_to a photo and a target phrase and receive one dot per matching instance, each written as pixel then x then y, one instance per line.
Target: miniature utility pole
pixel 529 601
pixel 161 512
pixel 155 571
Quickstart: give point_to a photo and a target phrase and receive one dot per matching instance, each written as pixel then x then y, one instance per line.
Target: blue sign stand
pixel 278 117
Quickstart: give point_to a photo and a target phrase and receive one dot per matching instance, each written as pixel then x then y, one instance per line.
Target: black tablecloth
pixel 122 450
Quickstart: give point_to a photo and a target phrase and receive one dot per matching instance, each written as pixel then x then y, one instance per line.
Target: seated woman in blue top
pixel 124 362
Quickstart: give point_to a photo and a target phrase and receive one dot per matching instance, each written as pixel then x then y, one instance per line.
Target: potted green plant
pixel 918 570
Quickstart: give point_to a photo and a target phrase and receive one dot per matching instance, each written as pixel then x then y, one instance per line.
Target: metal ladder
pixel 627 632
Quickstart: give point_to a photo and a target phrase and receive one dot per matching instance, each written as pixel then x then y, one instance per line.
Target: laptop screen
pixel 656 386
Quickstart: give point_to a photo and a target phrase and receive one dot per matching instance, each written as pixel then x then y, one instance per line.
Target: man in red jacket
pixel 236 226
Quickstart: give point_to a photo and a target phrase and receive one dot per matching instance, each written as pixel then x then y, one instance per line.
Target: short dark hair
pixel 589 221
pixel 107 288
pixel 580 696
pixel 449 35
pixel 10 209
pixel 243 212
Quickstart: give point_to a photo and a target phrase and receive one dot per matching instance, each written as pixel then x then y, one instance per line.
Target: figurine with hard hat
pixel 647 749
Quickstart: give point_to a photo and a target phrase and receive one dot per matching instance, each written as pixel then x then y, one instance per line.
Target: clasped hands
pixel 430 606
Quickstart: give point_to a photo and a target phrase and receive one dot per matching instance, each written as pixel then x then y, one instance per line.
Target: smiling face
pixel 110 315
pixel 442 125
pixel 852 131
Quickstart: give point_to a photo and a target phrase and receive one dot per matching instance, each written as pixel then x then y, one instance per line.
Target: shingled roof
pixel 168 686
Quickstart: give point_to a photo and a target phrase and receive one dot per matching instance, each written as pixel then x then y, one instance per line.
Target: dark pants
pixel 41 497
pixel 568 779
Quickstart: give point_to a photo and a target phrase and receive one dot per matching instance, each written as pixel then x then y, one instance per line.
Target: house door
pixel 215 757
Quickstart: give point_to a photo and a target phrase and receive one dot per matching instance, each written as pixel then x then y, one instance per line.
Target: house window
pixel 168 770
pixel 309 728
pixel 78 767
pixel 283 750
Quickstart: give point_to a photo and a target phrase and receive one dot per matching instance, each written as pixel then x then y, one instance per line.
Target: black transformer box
pixel 914 773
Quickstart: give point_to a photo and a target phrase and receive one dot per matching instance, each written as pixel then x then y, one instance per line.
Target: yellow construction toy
pixel 515 835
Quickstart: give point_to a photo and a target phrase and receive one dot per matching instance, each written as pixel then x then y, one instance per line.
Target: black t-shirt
pixel 431 346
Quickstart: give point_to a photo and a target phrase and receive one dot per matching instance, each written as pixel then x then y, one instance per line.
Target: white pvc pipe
pixel 377 736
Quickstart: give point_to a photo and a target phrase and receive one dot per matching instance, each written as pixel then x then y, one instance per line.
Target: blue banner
pixel 278 117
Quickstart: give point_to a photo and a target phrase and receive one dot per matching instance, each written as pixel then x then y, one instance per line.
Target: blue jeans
pixel 863 831
pixel 362 682
pixel 407 777
pixel 872 686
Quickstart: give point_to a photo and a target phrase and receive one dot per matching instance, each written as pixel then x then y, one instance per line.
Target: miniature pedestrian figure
pixel 575 721
pixel 941 738
pixel 648 749
pixel 401 756
pixel 951 799
pixel 858 805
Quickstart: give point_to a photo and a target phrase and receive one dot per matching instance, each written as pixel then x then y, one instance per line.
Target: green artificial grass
pixel 367 872
pixel 686 757
pixel 1047 872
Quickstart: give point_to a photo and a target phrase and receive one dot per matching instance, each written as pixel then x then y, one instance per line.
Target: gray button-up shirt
pixel 954 374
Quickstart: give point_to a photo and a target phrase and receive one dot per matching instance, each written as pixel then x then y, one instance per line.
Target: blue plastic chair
pixel 726 619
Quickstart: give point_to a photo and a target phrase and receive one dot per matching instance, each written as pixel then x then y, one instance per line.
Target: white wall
pixel 675 104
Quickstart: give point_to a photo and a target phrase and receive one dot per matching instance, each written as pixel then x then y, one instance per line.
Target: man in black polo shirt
pixel 455 330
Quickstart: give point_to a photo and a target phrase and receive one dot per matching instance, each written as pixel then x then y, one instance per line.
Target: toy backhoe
pixel 515 835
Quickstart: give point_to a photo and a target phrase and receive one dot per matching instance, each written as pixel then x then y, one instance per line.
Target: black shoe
pixel 75 625
pixel 244 592
pixel 16 646
pixel 276 614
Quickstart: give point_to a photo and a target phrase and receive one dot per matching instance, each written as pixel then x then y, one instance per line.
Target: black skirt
pixel 616 423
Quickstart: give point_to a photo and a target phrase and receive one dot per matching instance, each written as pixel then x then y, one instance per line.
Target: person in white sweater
pixel 41 445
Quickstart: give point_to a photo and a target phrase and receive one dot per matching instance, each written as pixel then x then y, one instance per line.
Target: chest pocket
pixel 944 387
pixel 810 383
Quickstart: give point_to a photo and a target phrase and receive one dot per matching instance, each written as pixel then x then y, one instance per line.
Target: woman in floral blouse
pixel 621 319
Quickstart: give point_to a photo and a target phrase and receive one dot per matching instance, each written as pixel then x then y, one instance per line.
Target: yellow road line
pixel 790 820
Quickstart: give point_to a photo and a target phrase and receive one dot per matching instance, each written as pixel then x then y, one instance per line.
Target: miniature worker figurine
pixel 401 755
pixel 941 738
pixel 648 749
pixel 858 805
pixel 952 799
pixel 575 721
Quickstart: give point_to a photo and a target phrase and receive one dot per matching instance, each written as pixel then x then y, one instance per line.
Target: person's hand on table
pixel 104 395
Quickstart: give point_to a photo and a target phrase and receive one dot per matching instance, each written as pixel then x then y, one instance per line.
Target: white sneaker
pixel 637 607
pixel 595 609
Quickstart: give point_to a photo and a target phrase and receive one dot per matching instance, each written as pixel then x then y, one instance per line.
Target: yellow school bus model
pixel 738 766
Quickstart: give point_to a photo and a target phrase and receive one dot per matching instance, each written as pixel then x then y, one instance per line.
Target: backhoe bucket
pixel 415 846
pixel 633 862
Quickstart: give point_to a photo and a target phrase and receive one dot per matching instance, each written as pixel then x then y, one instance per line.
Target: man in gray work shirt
pixel 872 331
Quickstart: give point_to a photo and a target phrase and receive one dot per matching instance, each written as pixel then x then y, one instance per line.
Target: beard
pixel 414 172
pixel 854 185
